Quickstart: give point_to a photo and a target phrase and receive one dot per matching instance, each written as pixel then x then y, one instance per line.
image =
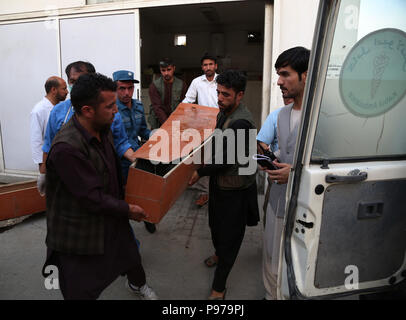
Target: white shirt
pixel 294 118
pixel 204 90
pixel 38 122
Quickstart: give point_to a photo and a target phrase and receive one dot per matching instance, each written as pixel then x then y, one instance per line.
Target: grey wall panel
pixel 28 53
pixel 108 42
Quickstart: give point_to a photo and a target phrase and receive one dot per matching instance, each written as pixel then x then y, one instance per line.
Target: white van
pixel 345 222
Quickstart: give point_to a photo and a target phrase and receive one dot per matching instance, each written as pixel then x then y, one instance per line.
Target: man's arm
pixel 41 178
pixel 129 155
pixel 50 132
pixel 184 90
pixel 216 166
pixel 82 180
pixel 143 132
pixel 267 134
pixel 43 165
pixel 36 129
pixel 137 213
pixel 261 146
pixel 120 138
pixel 156 104
pixel 191 94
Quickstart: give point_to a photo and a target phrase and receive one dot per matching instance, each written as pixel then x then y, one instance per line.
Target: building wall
pixel 294 22
pixel 20 6
pixel 293 25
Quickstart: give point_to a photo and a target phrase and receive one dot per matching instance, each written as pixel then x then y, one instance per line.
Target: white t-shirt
pixel 294 118
pixel 38 123
pixel 204 90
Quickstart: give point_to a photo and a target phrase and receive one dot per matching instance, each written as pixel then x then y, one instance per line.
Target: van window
pixel 363 109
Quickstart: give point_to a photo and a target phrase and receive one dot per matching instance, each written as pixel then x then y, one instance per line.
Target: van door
pixel 345 224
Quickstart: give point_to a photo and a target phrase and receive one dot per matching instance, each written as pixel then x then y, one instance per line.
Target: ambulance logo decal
pixel 373 76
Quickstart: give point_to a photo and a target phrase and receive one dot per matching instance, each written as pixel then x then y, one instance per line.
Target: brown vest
pixel 176 95
pixel 71 228
pixel 230 179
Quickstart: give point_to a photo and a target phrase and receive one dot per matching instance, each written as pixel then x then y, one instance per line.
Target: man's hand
pixel 281 175
pixel 136 213
pixel 129 155
pixel 41 184
pixel 42 168
pixel 195 177
pixel 261 146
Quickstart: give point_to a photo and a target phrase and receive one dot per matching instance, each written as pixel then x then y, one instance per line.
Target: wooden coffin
pixel 156 187
pixel 20 199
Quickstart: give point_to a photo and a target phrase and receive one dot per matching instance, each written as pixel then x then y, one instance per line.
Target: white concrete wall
pixel 294 22
pixel 33 51
pixel 19 6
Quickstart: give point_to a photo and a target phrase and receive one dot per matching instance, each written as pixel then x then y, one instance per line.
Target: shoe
pixel 145 292
pixel 211 261
pixel 202 200
pixel 218 298
pixel 150 227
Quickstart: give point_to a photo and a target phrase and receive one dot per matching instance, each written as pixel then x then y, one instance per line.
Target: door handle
pixel 351 178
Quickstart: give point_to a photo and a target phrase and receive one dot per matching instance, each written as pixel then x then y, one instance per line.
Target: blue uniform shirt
pixel 61 114
pixel 134 122
pixel 268 133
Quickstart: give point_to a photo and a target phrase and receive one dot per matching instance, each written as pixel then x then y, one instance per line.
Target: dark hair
pixel 51 83
pixel 80 66
pixel 232 79
pixel 209 57
pixel 166 62
pixel 87 88
pixel 297 58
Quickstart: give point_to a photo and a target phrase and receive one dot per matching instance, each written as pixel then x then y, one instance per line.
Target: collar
pixel 88 137
pixel 121 106
pixel 240 106
pixel 205 79
pixel 47 101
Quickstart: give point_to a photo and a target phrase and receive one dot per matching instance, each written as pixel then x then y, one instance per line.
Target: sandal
pixel 211 261
pixel 218 298
pixel 202 200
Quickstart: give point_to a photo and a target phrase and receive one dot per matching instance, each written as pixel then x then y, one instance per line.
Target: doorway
pixel 231 31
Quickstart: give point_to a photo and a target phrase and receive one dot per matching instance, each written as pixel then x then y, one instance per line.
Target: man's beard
pixel 60 97
pixel 103 127
pixel 225 109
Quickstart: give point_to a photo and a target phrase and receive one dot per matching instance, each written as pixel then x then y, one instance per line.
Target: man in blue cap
pixel 133 116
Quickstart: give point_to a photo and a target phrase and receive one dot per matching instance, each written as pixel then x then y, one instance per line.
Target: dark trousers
pixel 81 279
pixel 86 276
pixel 125 167
pixel 227 221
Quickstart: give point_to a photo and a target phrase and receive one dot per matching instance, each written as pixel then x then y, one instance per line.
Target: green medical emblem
pixel 373 76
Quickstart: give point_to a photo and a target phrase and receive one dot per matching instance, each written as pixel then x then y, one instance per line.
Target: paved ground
pixel 172 257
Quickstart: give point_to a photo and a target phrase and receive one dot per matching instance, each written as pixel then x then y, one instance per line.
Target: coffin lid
pixel 184 131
